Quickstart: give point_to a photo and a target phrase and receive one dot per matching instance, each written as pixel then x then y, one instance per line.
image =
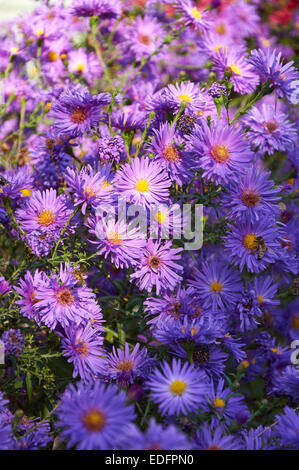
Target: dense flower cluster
pixel 149 226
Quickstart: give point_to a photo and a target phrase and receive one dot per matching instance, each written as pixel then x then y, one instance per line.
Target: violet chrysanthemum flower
pixel 221 150
pixel 124 366
pixel 199 19
pixel 241 72
pixel 165 145
pixel 61 300
pixel 216 285
pixel 216 439
pixel 33 434
pixel 269 129
pixel 13 341
pixel 270 66
pixel 76 111
pixel 156 437
pixel 46 212
pixel 287 428
pixel 93 416
pixel 7 441
pixel 16 184
pixel 265 291
pixel 27 289
pixel 143 36
pixel 252 197
pixel 90 186
pixel 185 92
pixel 4 286
pixel 117 241
pixel 111 149
pixel 104 9
pixel 253 245
pixel 143 182
pixel 83 347
pixel 158 267
pixel 221 400
pixel 248 311
pixel 179 388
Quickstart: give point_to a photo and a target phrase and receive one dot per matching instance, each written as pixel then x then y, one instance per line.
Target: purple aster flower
pixel 270 66
pixel 45 212
pixel 221 150
pixel 157 267
pixel 50 160
pixel 27 289
pixel 179 388
pixel 4 286
pixel 185 92
pixel 199 19
pixel 216 285
pixel 14 342
pixel 124 366
pixel 216 439
pixel 287 428
pixel 7 441
pixel 156 437
pixel 253 245
pixel 165 220
pixel 252 197
pixel 143 37
pixel 76 111
pixel 257 439
pixel 287 382
pixel 226 405
pixel 241 72
pixel 216 90
pixel 143 181
pixel 265 289
pixel 269 129
pixel 165 145
pixel 62 301
pixel 117 241
pixel 35 435
pixel 111 149
pixel 17 184
pixel 93 416
pixel 104 9
pixel 89 186
pixel 87 65
pixel 248 310
pixel 83 347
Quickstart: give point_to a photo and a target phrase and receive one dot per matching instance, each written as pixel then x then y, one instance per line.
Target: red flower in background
pixel 281 17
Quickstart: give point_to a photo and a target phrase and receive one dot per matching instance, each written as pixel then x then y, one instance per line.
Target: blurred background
pixel 11 8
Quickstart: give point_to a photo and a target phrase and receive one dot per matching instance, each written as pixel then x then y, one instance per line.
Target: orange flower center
pixel 46 217
pixel 79 115
pixel 220 153
pixel 65 297
pixel 154 262
pixel 171 154
pixel 250 198
pixel 94 420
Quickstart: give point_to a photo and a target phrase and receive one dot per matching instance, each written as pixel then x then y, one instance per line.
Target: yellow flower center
pixel 114 238
pixel 276 351
pixel 245 364
pixel 185 98
pixel 216 286
pixel 221 29
pixel 125 366
pixel 219 402
pixel 39 32
pixel 52 56
pixel 80 67
pixel 48 105
pixel 266 42
pixel 26 192
pixel 235 69
pixel 46 217
pixel 178 387
pixel 250 241
pixel 260 299
pixel 14 50
pixel 142 185
pixel 220 153
pixel 88 191
pixel 94 420
pixel 160 217
pixel 196 14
